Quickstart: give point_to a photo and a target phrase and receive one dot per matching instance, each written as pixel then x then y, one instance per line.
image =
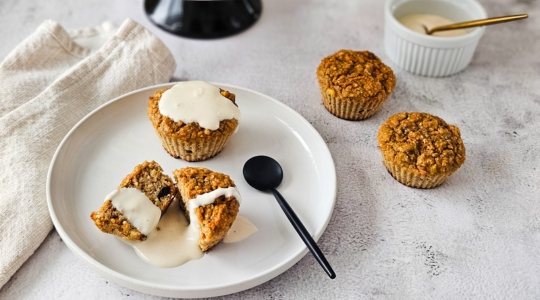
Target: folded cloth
pixel 47 84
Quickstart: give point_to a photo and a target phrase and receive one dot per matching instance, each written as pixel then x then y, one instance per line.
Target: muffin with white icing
pixel 194 119
pixel 210 199
pixel 133 210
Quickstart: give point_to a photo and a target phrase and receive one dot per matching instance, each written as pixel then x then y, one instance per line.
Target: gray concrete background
pixel 476 236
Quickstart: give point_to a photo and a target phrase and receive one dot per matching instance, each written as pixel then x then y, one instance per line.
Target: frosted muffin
pixel 133 210
pixel 354 84
pixel 209 199
pixel 194 120
pixel 420 150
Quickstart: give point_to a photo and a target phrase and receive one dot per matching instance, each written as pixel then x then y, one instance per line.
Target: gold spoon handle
pixel 475 23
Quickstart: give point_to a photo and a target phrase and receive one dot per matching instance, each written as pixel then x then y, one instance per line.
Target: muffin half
pixel 133 210
pixel 210 202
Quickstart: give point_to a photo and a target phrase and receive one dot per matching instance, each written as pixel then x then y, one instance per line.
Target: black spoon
pixel 265 174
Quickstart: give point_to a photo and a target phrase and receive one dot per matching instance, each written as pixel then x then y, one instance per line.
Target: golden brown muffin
pixel 214 219
pixel 420 150
pixel 354 84
pixel 147 177
pixel 189 141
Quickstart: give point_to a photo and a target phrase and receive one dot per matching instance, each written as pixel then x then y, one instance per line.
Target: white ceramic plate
pixel 107 144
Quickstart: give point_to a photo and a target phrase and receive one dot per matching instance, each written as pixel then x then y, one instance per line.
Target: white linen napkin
pixel 47 84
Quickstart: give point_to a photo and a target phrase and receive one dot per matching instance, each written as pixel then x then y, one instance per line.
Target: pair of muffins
pixel 354 84
pixel 189 119
pixel 213 219
pixel 418 149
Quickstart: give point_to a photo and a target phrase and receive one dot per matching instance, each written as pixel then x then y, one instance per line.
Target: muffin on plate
pixel 420 150
pixel 133 210
pixel 194 119
pixel 354 84
pixel 210 202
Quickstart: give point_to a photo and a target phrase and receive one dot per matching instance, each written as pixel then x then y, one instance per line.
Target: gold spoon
pixel 475 23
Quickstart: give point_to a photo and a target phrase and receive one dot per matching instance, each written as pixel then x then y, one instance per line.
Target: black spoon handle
pixel 304 234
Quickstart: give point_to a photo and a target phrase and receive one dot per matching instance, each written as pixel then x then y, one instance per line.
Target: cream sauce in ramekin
pixel 415 22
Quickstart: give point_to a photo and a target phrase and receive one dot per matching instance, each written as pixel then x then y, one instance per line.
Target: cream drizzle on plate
pixel 197 101
pixel 174 242
pixel 241 229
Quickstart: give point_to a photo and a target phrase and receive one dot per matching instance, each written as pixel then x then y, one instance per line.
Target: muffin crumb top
pixel 198 181
pixel 355 75
pixel 422 143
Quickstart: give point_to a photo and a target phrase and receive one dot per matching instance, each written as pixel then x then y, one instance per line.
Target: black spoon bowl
pixel 265 174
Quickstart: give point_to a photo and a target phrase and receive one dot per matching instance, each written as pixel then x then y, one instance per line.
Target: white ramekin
pixel 426 55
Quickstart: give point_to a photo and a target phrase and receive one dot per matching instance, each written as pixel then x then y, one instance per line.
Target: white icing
pixel 197 101
pixel 415 22
pixel 136 207
pixel 208 198
pixel 241 229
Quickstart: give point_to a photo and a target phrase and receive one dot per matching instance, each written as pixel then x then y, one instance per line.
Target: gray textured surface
pixel 476 236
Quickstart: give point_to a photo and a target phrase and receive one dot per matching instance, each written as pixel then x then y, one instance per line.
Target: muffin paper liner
pixel 410 179
pixel 349 109
pixel 194 151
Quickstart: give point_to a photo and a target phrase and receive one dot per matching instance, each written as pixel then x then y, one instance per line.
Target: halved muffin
pixel 210 202
pixel 146 183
